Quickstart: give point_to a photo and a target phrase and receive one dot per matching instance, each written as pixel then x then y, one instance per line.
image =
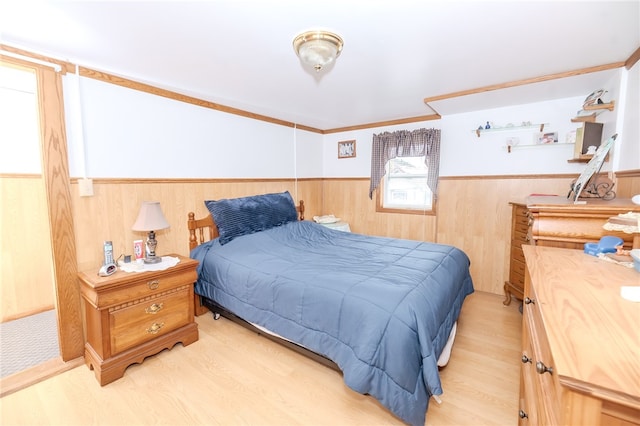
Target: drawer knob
pixel 522 414
pixel 154 309
pixel 155 328
pixel 541 368
pixel 153 284
pixel 529 301
pixel 525 359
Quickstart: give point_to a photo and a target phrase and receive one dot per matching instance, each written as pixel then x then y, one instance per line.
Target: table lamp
pixel 151 219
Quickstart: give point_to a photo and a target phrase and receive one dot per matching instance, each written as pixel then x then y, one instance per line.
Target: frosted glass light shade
pixel 317 48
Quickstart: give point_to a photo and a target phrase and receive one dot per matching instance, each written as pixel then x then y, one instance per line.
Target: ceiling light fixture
pixel 317 48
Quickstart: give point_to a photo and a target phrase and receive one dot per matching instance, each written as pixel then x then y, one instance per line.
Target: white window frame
pixel 383 193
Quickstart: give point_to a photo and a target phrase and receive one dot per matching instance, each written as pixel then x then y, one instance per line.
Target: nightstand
pixel 132 315
pixel 338 226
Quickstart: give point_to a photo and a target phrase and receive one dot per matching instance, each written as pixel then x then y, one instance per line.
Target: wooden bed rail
pixel 197 229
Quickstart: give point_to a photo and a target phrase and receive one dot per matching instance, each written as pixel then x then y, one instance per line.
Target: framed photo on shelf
pixel 546 138
pixel 347 149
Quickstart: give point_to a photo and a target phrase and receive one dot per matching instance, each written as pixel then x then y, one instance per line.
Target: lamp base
pixel 154 259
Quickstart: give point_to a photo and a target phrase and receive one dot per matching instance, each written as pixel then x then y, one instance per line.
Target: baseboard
pixel 33 375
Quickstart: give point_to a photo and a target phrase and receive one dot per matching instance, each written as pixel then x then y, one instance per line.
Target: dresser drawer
pixel 138 321
pixel 517 267
pixel 545 383
pixel 521 216
pixel 528 414
pixel 523 229
pixel 518 255
pixel 146 287
pixel 520 236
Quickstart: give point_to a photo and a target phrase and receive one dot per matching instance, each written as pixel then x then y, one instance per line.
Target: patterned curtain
pixel 404 143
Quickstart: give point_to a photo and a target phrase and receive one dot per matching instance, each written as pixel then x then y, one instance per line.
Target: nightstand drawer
pixel 138 321
pixel 146 287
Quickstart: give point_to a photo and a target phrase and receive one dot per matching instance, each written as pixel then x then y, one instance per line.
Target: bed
pixel 381 310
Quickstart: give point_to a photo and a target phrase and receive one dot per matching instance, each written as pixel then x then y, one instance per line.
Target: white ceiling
pixel 239 52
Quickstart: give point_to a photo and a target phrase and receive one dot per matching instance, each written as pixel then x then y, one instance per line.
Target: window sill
pixel 430 212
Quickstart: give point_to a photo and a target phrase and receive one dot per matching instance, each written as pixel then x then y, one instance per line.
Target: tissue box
pixel 635 254
pixel 605 245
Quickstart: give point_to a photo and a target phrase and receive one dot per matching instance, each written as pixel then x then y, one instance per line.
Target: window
pixel 406 164
pixel 20 126
pixel 404 186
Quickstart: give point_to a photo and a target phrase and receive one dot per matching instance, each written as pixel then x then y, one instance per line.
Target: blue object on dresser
pixel 606 244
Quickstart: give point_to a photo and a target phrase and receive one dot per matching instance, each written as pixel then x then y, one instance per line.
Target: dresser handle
pixel 154 309
pixel 529 301
pixel 153 284
pixel 525 359
pixel 541 368
pixel 522 414
pixel 155 328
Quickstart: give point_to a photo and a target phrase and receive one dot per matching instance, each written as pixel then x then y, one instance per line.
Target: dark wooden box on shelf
pixel 130 316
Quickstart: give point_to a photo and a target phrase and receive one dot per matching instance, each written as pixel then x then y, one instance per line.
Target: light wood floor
pixel 232 376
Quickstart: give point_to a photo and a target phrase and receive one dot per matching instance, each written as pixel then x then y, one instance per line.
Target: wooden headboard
pixel 205 229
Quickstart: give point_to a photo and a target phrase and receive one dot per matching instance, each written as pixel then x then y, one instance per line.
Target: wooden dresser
pixel 557 222
pixel 520 234
pixel 554 221
pixel 130 316
pixel 580 341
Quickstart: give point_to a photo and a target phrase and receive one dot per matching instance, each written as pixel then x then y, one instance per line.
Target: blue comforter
pixel 380 308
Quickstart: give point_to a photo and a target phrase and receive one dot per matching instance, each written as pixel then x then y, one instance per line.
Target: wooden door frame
pixel 55 170
pixel 55 173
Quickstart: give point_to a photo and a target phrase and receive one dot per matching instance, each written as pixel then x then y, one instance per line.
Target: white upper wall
pixel 630 116
pixel 463 153
pixel 133 134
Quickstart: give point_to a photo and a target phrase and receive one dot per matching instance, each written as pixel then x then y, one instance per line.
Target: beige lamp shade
pixel 150 217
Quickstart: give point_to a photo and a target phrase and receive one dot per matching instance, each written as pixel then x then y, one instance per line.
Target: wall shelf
pixel 589 127
pixel 510 148
pixel 597 109
pixel 540 128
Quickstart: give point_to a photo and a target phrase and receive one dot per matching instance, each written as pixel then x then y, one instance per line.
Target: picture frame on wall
pixel 347 149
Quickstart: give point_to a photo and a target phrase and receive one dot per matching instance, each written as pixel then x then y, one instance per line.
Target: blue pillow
pixel 241 216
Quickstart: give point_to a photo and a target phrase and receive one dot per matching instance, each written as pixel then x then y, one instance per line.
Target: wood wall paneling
pixel 472 213
pixel 348 199
pixel 627 184
pixel 110 213
pixel 26 278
